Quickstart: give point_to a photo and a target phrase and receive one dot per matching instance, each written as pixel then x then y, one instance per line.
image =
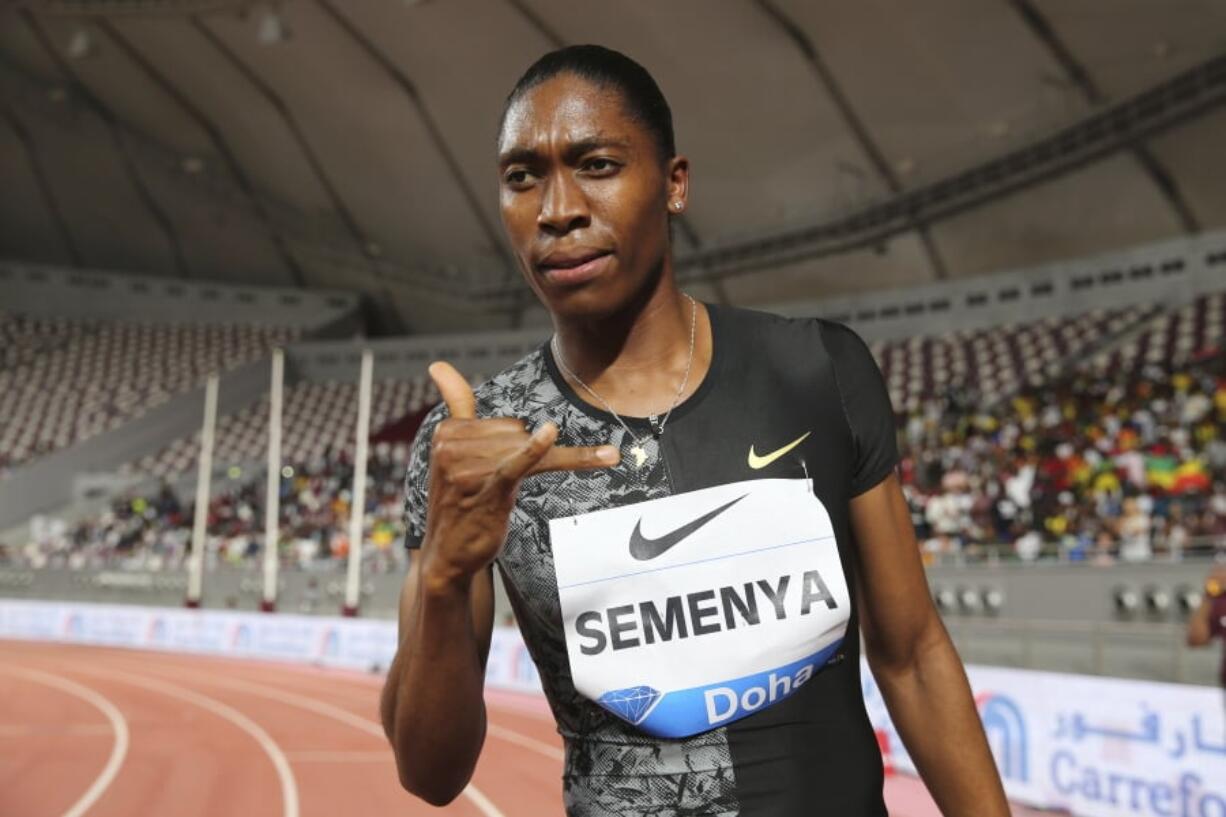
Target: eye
pixel 517 178
pixel 600 166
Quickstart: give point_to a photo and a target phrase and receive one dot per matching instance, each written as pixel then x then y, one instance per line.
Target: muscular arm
pixel 914 662
pixel 432 706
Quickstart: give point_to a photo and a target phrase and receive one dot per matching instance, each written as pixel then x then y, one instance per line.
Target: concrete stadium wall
pixel 1068 591
pixel 474 355
pixel 1169 273
pixel 104 295
pixel 308 592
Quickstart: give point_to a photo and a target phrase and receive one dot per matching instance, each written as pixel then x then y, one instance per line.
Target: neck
pixel 650 332
pixel 636 358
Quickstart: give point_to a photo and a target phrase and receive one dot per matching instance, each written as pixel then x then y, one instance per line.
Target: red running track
pixel 119 733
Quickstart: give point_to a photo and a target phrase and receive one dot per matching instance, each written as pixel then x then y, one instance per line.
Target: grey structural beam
pixel 362 241
pixel 218 140
pixel 1077 74
pixel 1121 126
pixel 851 119
pixel 122 151
pixel 50 202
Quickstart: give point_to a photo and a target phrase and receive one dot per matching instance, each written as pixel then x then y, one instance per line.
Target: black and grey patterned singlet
pixel 771 380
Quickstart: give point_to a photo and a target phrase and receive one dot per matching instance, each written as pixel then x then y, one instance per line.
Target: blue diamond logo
pixel 632 703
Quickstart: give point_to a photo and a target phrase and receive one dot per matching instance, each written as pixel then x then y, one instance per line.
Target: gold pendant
pixel 640 456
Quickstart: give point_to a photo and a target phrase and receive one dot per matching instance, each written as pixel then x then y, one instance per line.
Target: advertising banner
pixel 1097 747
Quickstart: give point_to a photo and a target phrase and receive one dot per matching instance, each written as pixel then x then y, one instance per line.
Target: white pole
pixel 195 568
pixel 353 580
pixel 272 499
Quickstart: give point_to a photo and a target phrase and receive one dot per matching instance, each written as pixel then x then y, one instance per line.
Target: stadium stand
pixel 1178 336
pixel 1094 465
pixel 84 378
pixel 316 418
pixel 994 362
pixel 24 337
pixel 1014 448
pixel 152 532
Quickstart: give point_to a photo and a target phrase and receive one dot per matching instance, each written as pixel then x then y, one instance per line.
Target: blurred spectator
pixel 1097 466
pixel 1094 466
pixel 1209 620
pixel 154 532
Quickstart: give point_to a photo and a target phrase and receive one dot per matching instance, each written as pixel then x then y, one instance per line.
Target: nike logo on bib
pixel 756 462
pixel 644 549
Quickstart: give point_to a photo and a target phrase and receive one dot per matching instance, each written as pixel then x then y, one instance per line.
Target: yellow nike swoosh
pixel 756 462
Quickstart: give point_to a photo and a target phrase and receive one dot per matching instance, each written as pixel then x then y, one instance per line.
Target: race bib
pixel 692 611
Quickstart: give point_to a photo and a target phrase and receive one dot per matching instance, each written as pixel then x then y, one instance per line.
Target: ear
pixel 678 170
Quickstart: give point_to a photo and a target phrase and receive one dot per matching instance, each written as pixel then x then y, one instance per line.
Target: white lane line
pixel 119 726
pixel 474 794
pixel 289 786
pixel 494 730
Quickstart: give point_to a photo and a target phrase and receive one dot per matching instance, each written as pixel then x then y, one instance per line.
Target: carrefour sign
pixel 1098 747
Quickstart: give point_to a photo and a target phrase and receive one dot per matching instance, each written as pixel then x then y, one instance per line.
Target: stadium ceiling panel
pixel 835 146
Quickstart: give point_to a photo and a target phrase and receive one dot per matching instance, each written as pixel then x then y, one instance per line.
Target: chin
pixel 610 294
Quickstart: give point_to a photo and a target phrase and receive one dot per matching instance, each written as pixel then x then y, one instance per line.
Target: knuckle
pixel 442 454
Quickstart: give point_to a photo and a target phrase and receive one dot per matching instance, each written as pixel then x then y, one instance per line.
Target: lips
pixel 573 266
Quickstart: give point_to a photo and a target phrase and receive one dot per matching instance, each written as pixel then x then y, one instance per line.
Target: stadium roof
pixel 835 146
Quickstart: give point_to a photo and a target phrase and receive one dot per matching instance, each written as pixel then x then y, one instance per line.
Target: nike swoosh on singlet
pixel 757 462
pixel 643 549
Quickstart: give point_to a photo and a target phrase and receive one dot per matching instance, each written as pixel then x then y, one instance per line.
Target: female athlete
pixel 693 508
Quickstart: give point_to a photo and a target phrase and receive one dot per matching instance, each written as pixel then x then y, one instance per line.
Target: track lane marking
pixel 493 729
pixel 118 725
pixel 478 798
pixel 285 775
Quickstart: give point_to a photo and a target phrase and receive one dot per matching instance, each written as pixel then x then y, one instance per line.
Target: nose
pixel 564 207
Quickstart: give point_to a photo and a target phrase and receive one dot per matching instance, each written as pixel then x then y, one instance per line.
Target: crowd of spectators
pixel 153 531
pixel 1097 467
pixel 1093 466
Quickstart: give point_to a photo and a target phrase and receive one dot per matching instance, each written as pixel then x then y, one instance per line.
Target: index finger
pixel 456 392
pixel 577 458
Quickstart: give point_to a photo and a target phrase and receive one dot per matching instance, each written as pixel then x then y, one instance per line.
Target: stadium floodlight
pixel 272 28
pixel 81 45
pixel 1188 598
pixel 1157 600
pixel 1127 600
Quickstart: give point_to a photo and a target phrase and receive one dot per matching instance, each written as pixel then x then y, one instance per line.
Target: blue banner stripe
pixel 685 712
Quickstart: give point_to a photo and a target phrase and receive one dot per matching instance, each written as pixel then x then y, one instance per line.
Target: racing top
pixel 691 611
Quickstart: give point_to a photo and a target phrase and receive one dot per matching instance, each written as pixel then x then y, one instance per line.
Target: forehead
pixel 566 109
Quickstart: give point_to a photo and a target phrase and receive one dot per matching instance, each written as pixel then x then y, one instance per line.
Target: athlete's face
pixel 585 196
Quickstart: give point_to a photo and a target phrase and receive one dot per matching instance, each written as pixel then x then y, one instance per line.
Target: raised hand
pixel 475 469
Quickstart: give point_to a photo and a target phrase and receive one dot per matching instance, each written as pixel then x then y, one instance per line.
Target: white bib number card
pixel 692 611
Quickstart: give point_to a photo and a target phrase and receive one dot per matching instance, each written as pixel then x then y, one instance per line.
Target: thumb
pixel 454 388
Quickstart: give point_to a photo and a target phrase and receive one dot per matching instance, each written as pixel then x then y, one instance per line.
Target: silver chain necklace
pixel 639 452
